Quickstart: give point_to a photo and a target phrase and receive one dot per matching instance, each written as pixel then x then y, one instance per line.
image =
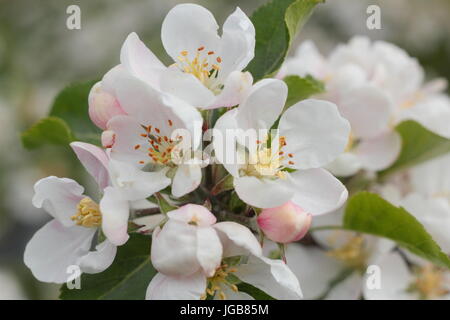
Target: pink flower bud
pixel 102 106
pixel 108 138
pixel 286 223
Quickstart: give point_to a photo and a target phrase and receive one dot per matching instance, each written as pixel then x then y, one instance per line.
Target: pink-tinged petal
pixel 140 61
pixel 380 152
pixel 100 259
pixel 54 248
pixel 317 191
pixel 193 213
pixel 236 88
pixel 108 138
pixel 152 107
pixel 95 160
pixel 164 287
pixel 237 240
pixel 284 224
pixel 129 144
pixel 102 106
pixel 174 249
pixel 115 213
pixel 59 197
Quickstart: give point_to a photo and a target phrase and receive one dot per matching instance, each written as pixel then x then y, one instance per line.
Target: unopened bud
pixel 284 224
pixel 102 106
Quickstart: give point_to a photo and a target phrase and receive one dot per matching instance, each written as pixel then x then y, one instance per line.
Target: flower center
pixel 430 282
pixel 267 161
pixel 160 148
pixel 408 103
pixel 88 214
pixel 205 66
pixel 352 253
pixel 219 281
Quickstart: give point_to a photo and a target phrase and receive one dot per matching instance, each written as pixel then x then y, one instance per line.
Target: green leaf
pixel 301 88
pixel 276 23
pixel 256 293
pixel 369 213
pixel 51 130
pixel 163 204
pixel 418 145
pixel 126 279
pixel 225 184
pixel 71 105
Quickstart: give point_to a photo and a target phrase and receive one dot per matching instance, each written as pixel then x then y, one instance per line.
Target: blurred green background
pixel 39 56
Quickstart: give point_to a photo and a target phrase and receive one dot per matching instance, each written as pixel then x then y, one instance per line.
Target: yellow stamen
pixel 88 214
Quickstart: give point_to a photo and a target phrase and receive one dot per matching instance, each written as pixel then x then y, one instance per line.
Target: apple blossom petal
pixel 263 105
pixel 380 152
pixel 395 280
pixel 140 61
pixel 271 276
pixel 209 250
pixel 95 160
pixel 237 43
pixel 307 61
pixel 164 287
pixel 236 88
pixel 224 142
pixel 433 113
pixel 186 87
pixel 155 108
pixel 315 133
pixel 102 106
pixel 55 247
pixel 188 27
pixel 432 177
pixel 127 133
pixel 187 178
pixel 174 249
pixel 349 289
pixel 134 184
pixel 368 109
pixel 313 268
pixel 231 295
pixel 237 240
pixel 433 213
pixel 59 197
pixel 345 165
pixel 100 259
pixel 193 213
pixel 263 192
pixel 317 191
pixel 115 213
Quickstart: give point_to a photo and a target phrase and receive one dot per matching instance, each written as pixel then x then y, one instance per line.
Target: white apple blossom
pixel 68 238
pixel 196 257
pixel 376 86
pixel 274 170
pixel 207 69
pixel 159 133
pixel 123 187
